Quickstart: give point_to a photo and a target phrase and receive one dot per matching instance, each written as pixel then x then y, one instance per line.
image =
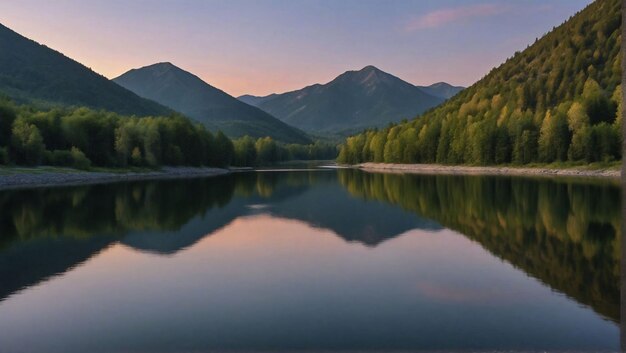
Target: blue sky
pixel 265 46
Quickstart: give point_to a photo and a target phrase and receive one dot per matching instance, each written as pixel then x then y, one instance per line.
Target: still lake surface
pixel 312 260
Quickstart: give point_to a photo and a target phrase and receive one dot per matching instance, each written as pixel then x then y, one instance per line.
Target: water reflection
pixel 565 233
pixel 312 260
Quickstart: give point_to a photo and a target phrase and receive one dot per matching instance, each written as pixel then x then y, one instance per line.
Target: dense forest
pixel 558 100
pixel 82 138
pixel 265 150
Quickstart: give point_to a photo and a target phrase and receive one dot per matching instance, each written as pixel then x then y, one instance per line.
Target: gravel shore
pixel 444 169
pixel 42 179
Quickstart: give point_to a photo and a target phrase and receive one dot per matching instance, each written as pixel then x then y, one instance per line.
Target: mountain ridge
pixel 34 73
pixel 557 100
pixel 187 93
pixel 442 89
pixel 352 101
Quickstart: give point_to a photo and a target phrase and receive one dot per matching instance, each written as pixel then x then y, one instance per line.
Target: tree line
pixel 558 100
pixel 84 138
pixel 265 150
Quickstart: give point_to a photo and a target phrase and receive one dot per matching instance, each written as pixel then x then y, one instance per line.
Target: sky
pixel 273 46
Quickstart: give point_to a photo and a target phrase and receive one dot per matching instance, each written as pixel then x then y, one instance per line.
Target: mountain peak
pixel 163 64
pixel 440 84
pixel 161 67
pixel 30 71
pixel 442 89
pixel 354 100
pixel 369 68
pixel 217 110
pixel 369 75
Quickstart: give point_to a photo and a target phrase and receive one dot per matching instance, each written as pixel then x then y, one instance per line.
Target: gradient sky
pixel 267 46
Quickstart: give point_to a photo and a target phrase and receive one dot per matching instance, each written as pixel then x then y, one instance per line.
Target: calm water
pixel 311 260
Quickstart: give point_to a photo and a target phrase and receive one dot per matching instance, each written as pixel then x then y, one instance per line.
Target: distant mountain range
pixel 353 101
pixel 188 94
pixel 33 73
pixel 441 90
pixel 548 103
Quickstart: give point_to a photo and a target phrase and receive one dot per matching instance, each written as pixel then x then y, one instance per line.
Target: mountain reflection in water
pixel 563 233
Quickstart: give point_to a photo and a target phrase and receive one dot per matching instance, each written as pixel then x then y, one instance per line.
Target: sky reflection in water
pixel 311 260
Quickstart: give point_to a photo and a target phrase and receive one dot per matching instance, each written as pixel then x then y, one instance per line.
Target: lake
pixel 312 260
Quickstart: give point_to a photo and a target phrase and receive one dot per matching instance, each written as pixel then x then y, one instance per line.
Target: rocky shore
pixel 444 169
pixel 37 178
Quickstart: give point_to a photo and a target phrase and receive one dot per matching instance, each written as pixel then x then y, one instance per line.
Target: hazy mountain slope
pixel 353 101
pixel 30 72
pixel 255 100
pixel 188 94
pixel 442 89
pixel 555 101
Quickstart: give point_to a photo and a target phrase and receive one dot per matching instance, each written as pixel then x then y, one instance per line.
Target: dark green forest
pixel 84 138
pixel 558 100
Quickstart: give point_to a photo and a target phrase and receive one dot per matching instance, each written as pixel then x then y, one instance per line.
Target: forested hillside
pixel 558 100
pixel 84 138
pixel 31 72
pixel 81 137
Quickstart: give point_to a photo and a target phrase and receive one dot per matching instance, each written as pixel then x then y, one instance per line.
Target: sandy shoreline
pixel 456 170
pixel 46 179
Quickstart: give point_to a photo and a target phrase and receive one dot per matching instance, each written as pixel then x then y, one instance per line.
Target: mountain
pixel 442 90
pixel 188 94
pixel 255 100
pixel 558 100
pixel 351 102
pixel 31 72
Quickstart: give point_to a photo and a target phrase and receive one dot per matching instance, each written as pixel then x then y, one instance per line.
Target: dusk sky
pixel 261 47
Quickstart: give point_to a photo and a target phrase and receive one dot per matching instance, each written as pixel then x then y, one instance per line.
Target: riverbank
pixel 19 178
pixel 463 170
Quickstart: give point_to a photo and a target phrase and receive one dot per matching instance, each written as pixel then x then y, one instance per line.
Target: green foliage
pixel 558 99
pixel 577 117
pixel 266 151
pixel 26 143
pixel 60 158
pixel 4 156
pixel 82 137
pixel 135 157
pixel 224 150
pixel 317 151
pixel 606 143
pixel 79 160
pixel 597 104
pixel 7 117
pixel 554 138
pixel 245 151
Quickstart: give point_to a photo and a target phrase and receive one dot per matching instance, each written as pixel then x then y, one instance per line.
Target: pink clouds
pixel 444 16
